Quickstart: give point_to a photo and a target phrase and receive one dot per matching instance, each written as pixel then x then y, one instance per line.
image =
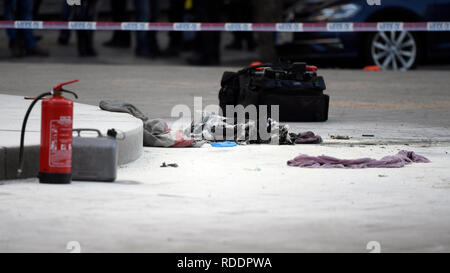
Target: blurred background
pixel 398 51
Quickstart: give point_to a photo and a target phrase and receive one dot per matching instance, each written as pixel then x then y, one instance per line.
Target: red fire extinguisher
pixel 56 136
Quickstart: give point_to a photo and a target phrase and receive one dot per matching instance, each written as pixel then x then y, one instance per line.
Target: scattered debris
pixel 372 68
pixel 394 161
pixel 224 144
pixel 340 137
pixel 255 169
pixel 211 128
pixel 173 165
pixel 306 138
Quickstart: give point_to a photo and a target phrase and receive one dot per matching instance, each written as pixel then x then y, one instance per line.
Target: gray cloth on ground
pixel 393 161
pixel 156 131
pixel 122 107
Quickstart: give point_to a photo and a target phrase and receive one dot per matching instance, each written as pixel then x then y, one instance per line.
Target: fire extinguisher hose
pixel 24 125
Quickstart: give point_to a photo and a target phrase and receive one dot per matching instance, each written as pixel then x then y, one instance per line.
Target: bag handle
pixel 78 131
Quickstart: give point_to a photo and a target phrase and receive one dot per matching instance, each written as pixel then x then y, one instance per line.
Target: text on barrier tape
pixel 256 27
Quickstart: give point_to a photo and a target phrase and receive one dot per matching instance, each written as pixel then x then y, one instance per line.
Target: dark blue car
pixel 389 50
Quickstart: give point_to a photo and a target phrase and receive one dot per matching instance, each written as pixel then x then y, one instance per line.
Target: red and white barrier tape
pixel 256 27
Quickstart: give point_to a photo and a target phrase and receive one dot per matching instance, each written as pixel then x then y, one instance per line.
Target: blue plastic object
pixel 225 144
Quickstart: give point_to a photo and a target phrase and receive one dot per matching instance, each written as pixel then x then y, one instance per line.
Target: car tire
pixel 393 50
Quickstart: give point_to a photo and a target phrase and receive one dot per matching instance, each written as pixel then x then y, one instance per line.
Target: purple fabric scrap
pixel 308 138
pixel 393 161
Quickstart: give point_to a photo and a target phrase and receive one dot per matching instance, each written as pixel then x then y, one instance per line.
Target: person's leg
pixel 152 35
pixel 64 35
pixel 36 7
pixel 266 11
pixel 247 17
pixel 207 46
pixel 91 14
pixel 86 12
pixel 176 14
pixel 142 9
pixel 79 15
pixel 119 12
pixel 10 9
pixel 30 43
pixel 26 14
pixel 234 16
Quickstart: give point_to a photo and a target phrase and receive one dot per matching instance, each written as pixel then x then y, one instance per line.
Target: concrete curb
pixel 2 163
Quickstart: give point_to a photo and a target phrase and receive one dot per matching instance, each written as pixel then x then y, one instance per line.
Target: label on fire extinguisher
pixel 60 152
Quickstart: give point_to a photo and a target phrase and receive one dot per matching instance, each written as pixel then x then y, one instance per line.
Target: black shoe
pixel 90 52
pixel 234 46
pixel 144 54
pixel 251 45
pixel 202 61
pixel 117 44
pixel 37 51
pixel 171 52
pixel 16 49
pixel 62 40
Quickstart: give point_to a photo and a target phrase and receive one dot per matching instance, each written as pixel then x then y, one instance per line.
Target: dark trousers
pixel 176 14
pixel 119 14
pixel 86 12
pixel 241 11
pixel 146 11
pixel 20 10
pixel 36 7
pixel 207 44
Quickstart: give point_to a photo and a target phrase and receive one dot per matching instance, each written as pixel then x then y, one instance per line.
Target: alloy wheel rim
pixel 394 50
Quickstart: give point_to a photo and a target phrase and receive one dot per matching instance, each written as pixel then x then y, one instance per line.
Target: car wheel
pixel 393 50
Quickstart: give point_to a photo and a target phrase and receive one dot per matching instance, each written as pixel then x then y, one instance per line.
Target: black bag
pixel 295 87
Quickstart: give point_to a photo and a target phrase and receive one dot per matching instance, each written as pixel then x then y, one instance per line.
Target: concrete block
pixel 31 162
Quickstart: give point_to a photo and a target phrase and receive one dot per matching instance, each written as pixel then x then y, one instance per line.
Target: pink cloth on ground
pixel 393 161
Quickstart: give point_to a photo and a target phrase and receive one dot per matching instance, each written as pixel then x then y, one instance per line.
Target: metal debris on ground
pixel 173 165
pixel 340 137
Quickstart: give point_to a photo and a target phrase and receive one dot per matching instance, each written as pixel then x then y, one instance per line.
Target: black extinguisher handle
pixel 70 92
pixel 24 125
pixel 57 89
